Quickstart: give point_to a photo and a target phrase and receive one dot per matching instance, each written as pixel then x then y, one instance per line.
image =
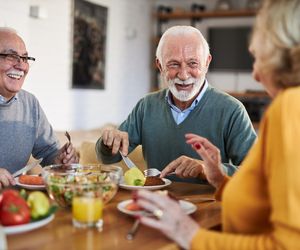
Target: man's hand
pixel 6 178
pixel 116 140
pixel 185 167
pixel 67 155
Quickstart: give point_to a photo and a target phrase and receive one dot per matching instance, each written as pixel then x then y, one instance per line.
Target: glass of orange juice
pixel 87 206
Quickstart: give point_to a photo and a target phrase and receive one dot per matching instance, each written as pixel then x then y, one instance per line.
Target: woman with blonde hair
pixel 260 203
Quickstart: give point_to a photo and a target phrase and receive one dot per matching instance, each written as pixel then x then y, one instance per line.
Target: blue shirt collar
pixel 3 100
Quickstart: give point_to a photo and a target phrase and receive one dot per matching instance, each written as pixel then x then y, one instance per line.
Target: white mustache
pixel 185 82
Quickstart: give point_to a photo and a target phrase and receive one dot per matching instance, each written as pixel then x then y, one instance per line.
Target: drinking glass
pixel 87 206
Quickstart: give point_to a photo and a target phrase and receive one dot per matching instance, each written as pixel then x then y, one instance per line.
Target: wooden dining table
pixel 61 234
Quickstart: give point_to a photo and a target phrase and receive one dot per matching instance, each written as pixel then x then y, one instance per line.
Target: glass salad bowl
pixel 64 181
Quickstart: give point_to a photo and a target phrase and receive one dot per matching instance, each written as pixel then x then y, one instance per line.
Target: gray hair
pixel 278 22
pixel 180 31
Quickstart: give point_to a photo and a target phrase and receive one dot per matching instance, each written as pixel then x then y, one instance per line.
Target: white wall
pixel 49 39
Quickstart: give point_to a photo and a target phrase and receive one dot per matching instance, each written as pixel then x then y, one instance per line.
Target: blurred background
pixel 133 28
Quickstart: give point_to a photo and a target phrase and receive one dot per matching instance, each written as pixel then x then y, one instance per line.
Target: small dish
pixel 29 187
pixel 27 227
pixel 130 187
pixel 188 207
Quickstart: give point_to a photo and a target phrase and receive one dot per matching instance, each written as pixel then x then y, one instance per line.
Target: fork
pixel 147 172
pixel 155 172
pixel 68 137
pixel 131 233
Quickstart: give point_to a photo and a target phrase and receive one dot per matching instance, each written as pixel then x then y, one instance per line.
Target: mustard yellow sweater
pixel 261 203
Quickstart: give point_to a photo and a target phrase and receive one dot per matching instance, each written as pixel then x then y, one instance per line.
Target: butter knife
pixel 27 167
pixel 127 161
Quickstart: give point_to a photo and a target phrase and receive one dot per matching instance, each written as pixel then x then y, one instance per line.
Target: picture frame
pixel 89 45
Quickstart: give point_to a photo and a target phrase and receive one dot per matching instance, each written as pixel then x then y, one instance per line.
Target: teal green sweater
pixel 218 116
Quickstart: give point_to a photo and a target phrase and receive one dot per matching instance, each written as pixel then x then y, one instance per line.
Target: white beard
pixel 184 95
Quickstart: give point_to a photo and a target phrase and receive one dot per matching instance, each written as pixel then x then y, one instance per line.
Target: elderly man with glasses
pixel 25 130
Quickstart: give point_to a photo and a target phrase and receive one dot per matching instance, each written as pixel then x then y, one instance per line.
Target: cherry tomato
pixel 14 209
pixel 133 207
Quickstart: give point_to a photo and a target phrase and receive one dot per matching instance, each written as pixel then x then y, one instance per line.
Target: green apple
pixel 38 203
pixel 134 177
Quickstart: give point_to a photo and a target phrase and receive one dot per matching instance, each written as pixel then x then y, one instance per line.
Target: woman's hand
pixel 211 157
pixel 170 218
pixel 67 155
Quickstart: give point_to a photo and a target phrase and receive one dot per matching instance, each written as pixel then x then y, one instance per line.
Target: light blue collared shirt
pixel 180 115
pixel 5 102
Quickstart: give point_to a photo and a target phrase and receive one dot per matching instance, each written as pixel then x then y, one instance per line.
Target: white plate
pixel 129 187
pixel 30 187
pixel 27 227
pixel 188 207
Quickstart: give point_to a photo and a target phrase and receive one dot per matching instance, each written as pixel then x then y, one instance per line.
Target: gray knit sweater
pixel 218 116
pixel 25 130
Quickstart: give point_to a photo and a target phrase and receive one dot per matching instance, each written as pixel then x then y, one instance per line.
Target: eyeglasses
pixel 14 58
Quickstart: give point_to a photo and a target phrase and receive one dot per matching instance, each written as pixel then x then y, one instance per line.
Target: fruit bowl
pixel 65 181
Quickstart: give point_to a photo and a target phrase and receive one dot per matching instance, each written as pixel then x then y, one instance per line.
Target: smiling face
pixel 183 67
pixel 12 75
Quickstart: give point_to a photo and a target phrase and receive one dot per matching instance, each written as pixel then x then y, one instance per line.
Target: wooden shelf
pixel 194 17
pixel 250 94
pixel 206 14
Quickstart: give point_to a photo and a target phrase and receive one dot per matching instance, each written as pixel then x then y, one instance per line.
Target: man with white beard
pixel 160 120
pixel 24 128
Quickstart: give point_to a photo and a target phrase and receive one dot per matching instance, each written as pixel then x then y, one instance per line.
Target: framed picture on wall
pixel 89 43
